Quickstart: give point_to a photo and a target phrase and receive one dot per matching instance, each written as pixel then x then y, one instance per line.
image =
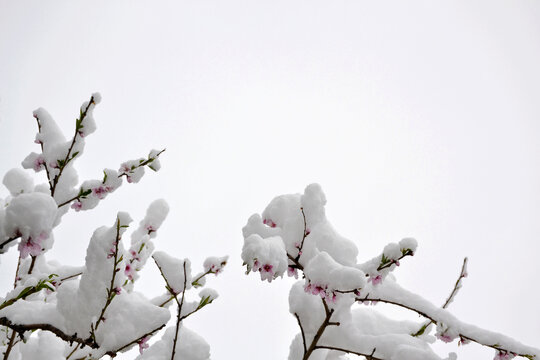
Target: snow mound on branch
pixel 18 181
pixel 30 215
pixel 189 346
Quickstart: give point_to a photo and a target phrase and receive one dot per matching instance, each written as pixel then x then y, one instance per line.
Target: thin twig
pixel 387 265
pixel 67 159
pixel 179 318
pixel 8 241
pixel 302 331
pixel 110 291
pixel 45 163
pixel 71 276
pixel 32 264
pixel 367 356
pixel 112 353
pixel 10 345
pixel 454 292
pixel 73 352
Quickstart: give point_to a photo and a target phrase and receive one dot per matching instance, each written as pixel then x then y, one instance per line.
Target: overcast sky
pixel 418 118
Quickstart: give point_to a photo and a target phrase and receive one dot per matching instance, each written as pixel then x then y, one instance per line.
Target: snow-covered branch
pixel 293 235
pixel 90 311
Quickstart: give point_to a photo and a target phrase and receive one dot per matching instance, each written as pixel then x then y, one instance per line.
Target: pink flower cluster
pixel 32 246
pixel 266 270
pixel 444 337
pixel 143 344
pixel 322 291
pixel 125 169
pixel 292 272
pixel 129 271
pixel 77 205
pixel 269 223
pixel 39 163
pixel 375 279
pixel 503 355
pixel 215 266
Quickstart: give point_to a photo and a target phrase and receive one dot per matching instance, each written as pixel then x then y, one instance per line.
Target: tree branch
pixel 48 327
pixel 454 292
pixel 110 291
pixel 367 356
pixel 67 159
pixel 45 164
pixel 179 318
pixel 302 331
pixel 320 331
pixel 461 335
pixel 4 243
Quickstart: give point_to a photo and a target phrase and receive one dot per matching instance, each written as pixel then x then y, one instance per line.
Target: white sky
pixel 418 118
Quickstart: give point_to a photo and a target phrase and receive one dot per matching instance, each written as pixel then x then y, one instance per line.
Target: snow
pixel 18 181
pixel 176 272
pixel 190 346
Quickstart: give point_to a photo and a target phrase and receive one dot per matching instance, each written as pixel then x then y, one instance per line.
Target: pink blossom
pixel 129 271
pixel 77 205
pixel 256 266
pixel 150 228
pixel 375 280
pixel 129 179
pixel 143 344
pixel 308 232
pixel 503 355
pixel 318 290
pixel 357 292
pixel 38 163
pixel 117 290
pixel 445 337
pixel 54 165
pixel 396 262
pixel 81 134
pixel 307 288
pixel 111 253
pixel 292 272
pixel 267 272
pixel 269 223
pixel 30 247
pixel 134 255
pixel 124 169
pixel 100 192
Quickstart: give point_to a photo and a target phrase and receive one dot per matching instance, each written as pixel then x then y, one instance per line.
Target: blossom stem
pixel 32 264
pixel 67 159
pixel 387 265
pixel 179 317
pixel 110 291
pixel 45 164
